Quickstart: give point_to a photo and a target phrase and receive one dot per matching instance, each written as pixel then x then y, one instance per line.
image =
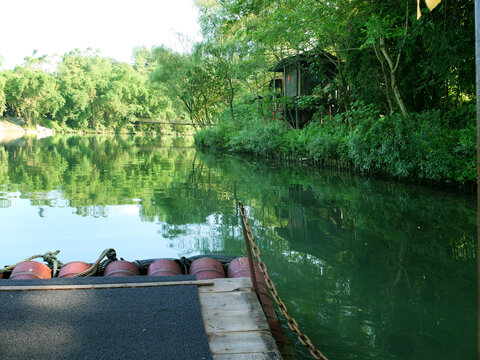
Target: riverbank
pixel 15 128
pixel 432 146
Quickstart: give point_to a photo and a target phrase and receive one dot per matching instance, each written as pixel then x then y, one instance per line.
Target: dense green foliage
pixel 87 92
pixel 405 88
pixel 2 94
pixel 433 145
pixel 393 94
pixel 32 94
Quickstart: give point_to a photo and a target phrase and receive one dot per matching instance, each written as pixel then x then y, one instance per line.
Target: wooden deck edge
pixel 103 286
pixel 234 321
pixel 248 356
pixel 229 285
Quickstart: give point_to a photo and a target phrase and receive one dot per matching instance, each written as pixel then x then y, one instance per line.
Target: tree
pixel 128 96
pixel 2 93
pixel 380 29
pixel 189 80
pixel 32 95
pixel 81 77
pixel 145 61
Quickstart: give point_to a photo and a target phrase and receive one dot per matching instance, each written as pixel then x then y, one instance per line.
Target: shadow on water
pixel 371 269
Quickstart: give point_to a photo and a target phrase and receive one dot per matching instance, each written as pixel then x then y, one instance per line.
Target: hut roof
pixel 304 59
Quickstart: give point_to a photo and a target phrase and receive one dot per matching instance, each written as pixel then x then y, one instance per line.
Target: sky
pixel 114 27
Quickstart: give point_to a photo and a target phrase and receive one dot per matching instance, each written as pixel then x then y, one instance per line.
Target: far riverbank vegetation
pixel 352 82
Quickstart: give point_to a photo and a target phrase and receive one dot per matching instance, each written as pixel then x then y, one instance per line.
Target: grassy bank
pixel 430 146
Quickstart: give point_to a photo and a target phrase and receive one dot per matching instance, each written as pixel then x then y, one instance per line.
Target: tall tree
pixel 81 77
pixel 2 93
pixel 190 80
pixel 387 34
pixel 32 95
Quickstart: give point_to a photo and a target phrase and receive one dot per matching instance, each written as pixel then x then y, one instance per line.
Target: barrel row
pixel 202 268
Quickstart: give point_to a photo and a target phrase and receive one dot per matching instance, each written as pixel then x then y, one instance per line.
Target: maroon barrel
pixel 31 270
pixel 164 267
pixel 207 268
pixel 73 268
pixel 239 267
pixel 121 268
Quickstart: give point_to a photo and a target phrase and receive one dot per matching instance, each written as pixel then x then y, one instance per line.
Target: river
pixel 371 269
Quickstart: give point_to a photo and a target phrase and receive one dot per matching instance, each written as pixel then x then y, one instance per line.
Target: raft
pixel 232 321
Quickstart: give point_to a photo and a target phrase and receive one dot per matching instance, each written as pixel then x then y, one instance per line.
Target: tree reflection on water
pixel 371 269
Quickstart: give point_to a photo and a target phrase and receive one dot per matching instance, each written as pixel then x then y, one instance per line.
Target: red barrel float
pixel 73 268
pixel 240 268
pixel 207 268
pixel 121 268
pixel 164 267
pixel 31 270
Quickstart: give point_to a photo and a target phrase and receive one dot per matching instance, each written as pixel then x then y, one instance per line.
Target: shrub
pixel 432 145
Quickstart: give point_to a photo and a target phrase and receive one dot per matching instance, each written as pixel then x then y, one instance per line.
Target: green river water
pixel 370 269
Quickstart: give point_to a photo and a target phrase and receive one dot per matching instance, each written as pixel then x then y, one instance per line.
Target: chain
pixel 291 322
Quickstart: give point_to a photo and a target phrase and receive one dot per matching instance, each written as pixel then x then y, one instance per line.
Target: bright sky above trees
pixel 113 26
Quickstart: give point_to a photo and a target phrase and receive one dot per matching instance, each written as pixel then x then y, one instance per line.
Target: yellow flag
pixel 431 4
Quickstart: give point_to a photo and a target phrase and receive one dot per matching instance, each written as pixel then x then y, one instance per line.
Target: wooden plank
pixel 228 301
pixel 228 321
pixel 248 356
pixel 241 342
pixel 104 286
pixel 235 323
pixel 229 285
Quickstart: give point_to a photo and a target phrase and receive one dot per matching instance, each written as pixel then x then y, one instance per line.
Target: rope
pixel 111 256
pixel 291 322
pixel 49 257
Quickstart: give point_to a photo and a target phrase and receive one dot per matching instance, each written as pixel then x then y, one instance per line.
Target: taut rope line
pixel 49 257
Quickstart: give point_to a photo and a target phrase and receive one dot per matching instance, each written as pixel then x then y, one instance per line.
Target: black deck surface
pixel 131 323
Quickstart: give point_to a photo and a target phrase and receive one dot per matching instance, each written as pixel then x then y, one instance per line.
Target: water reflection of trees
pixel 92 171
pixel 363 264
pixel 389 266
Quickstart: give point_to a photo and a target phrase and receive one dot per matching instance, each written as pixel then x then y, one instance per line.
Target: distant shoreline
pixel 14 128
pixel 10 129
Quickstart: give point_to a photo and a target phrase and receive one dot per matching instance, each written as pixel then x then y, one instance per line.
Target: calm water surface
pixel 370 269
